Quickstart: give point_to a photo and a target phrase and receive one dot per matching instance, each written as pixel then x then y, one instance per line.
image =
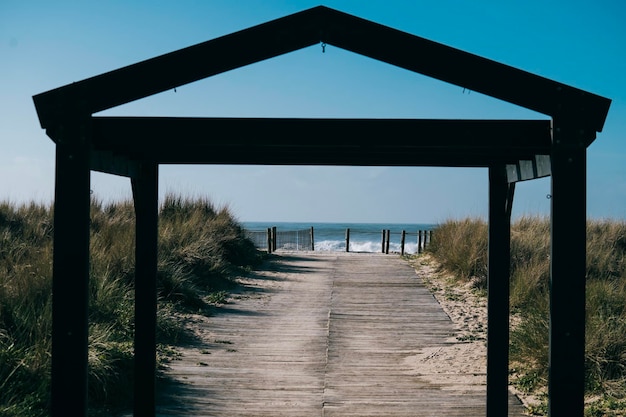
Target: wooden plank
pixel 323 334
pixel 523 170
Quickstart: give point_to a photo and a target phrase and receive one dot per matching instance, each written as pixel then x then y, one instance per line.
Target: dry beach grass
pixel 202 248
pixel 460 248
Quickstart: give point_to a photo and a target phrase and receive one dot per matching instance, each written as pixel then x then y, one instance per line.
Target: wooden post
pixel 146 198
pixel 382 249
pixel 274 238
pixel 419 241
pixel 566 380
pixel 70 279
pixel 269 240
pixel 402 243
pixel 387 242
pixel 312 240
pixel 498 294
pixel 348 240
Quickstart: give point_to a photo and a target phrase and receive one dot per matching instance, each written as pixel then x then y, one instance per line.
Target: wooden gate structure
pixel 512 150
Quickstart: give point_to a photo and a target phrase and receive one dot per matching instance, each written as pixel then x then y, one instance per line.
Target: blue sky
pixel 44 45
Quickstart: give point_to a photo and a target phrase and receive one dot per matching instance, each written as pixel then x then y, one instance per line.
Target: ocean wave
pixel 362 246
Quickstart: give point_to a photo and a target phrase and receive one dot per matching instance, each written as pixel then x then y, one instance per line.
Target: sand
pixel 464 358
pixel 466 305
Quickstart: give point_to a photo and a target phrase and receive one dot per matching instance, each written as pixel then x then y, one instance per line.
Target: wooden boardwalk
pixel 324 334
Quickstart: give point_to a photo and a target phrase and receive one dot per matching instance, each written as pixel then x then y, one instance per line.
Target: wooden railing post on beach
pixel 348 240
pixel 269 240
pixel 419 241
pixel 402 243
pixel 312 240
pixel 382 248
pixel 274 238
pixel 387 243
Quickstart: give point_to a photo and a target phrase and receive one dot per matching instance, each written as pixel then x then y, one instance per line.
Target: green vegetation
pixel 201 249
pixel 461 248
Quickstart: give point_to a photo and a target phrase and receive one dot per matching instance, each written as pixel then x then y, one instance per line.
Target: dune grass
pixel 460 246
pixel 201 248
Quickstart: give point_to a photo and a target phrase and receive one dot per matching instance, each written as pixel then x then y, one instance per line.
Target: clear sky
pixel 47 44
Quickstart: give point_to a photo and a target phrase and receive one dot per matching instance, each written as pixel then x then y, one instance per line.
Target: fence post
pixel 274 238
pixel 388 239
pixel 382 249
pixel 312 240
pixel 348 240
pixel 269 240
pixel 419 241
pixel 402 242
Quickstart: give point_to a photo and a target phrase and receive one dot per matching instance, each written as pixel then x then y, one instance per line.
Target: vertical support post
pixel 419 241
pixel 146 198
pixel 348 240
pixel 269 240
pixel 566 380
pixel 312 240
pixel 498 294
pixel 402 242
pixel 70 279
pixel 387 242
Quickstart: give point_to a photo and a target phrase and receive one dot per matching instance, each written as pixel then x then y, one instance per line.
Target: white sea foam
pixel 362 246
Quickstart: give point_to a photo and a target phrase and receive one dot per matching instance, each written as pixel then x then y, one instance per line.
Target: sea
pixel 364 237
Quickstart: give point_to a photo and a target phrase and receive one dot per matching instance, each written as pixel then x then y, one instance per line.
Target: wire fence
pixel 296 240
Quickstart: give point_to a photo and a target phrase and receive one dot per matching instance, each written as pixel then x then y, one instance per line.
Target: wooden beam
pixel 498 293
pixel 136 133
pixel 566 385
pixel 171 70
pixel 410 142
pixel 464 69
pixel 109 163
pixel 145 194
pixel 306 28
pixel 70 280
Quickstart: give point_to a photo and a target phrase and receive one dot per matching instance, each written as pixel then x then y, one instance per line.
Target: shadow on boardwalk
pixel 322 334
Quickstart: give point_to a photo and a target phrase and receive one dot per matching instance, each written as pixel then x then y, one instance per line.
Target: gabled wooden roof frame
pixel 512 150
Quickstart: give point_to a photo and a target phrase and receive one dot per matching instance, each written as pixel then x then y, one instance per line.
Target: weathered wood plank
pixel 325 334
